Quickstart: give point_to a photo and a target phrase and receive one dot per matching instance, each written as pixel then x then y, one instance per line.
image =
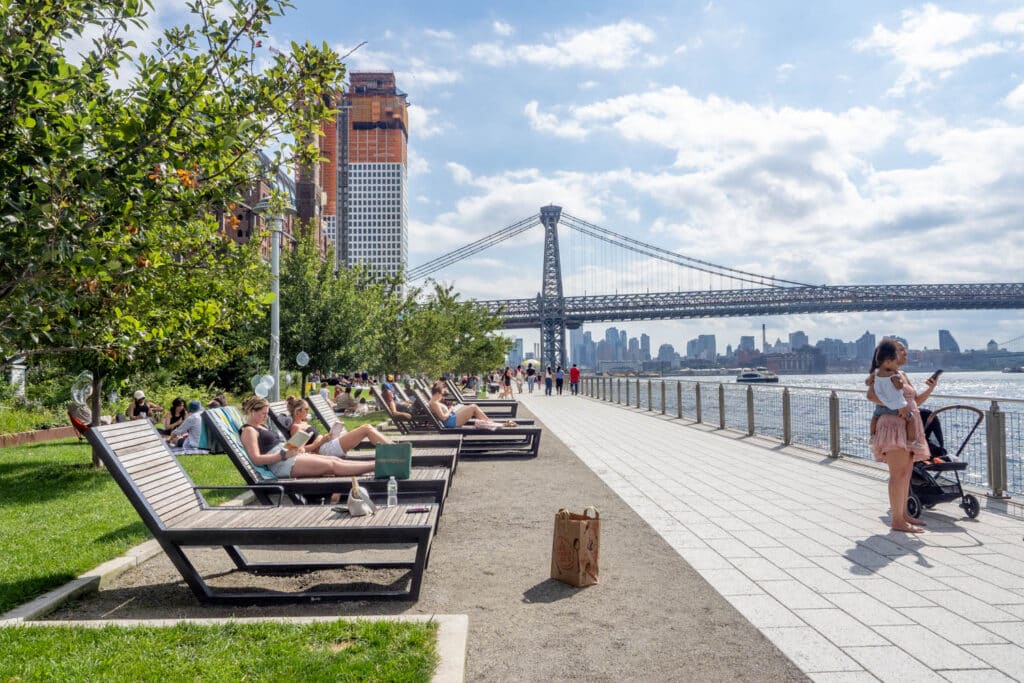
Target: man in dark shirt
pixel 531 376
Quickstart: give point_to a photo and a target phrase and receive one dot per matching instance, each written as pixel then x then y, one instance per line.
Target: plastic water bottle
pixel 392 492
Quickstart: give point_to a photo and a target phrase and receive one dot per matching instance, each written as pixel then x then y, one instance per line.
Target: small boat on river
pixel 756 376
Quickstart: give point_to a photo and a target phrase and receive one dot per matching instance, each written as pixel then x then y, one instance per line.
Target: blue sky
pixel 826 142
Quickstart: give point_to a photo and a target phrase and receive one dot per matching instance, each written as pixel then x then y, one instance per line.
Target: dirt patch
pixel 652 617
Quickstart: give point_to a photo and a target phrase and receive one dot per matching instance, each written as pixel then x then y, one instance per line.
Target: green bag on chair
pixel 392 460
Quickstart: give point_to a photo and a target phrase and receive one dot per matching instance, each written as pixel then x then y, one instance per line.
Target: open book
pixel 299 438
pixel 338 429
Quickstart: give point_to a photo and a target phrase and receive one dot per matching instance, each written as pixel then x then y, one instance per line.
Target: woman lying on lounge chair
pixel 266 447
pixel 456 416
pixel 331 443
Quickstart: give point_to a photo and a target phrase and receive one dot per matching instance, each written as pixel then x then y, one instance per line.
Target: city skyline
pixel 852 144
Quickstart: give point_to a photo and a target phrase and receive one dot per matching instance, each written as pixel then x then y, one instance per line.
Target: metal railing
pixel 835 421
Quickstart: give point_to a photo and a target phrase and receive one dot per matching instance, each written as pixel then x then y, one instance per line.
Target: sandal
pixel 510 423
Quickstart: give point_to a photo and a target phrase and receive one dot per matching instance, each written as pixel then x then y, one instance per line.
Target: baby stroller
pixel 937 480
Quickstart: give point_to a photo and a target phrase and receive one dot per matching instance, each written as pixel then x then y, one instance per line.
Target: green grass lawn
pixel 60 517
pixel 323 651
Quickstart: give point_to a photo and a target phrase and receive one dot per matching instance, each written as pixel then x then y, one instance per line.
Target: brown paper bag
pixel 575 547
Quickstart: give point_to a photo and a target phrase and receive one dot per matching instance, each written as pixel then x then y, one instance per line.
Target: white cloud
pixel 1015 100
pixel 797 188
pixel 491 54
pixel 410 72
pixel 439 34
pixel 423 122
pixel 502 28
pixel 929 43
pixel 460 174
pixel 417 165
pixel 1009 22
pixel 782 72
pixel 610 47
pixel 549 123
pixel 588 85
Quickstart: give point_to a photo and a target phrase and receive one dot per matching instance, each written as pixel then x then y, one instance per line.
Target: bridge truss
pixel 553 312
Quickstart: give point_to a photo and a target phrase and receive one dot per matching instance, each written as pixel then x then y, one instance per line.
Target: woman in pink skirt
pixel 889 442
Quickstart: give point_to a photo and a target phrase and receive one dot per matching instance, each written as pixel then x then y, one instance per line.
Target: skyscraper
pixel 947 344
pixel 360 193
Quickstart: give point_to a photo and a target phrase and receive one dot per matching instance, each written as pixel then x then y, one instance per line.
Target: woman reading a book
pixel 266 447
pixel 456 416
pixel 338 441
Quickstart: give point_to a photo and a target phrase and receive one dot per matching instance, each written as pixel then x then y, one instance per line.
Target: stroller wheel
pixel 914 506
pixel 971 506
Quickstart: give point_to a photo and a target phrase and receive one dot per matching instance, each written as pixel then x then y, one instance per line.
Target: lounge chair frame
pixel 178 516
pixel 432 482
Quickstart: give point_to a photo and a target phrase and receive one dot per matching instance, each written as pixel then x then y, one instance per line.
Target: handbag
pixel 392 460
pixel 359 503
pixel 575 547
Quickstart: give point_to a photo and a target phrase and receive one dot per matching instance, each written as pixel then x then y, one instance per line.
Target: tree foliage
pixel 113 163
pixel 447 334
pixel 331 316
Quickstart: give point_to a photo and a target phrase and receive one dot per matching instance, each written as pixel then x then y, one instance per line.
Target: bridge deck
pixel 800 545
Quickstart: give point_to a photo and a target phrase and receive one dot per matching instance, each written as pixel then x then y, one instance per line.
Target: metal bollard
pixel 787 418
pixel 679 400
pixel 750 410
pixel 721 406
pixel 995 436
pixel 696 398
pixel 833 425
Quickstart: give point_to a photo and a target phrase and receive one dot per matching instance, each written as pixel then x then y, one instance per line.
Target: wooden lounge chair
pixel 500 406
pixel 519 441
pixel 427 449
pixel 422 401
pixel 423 482
pixel 178 516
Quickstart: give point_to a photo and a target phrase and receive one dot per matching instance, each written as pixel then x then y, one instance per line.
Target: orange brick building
pixel 359 194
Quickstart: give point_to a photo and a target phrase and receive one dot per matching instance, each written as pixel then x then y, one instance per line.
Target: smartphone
pixel 935 375
pixel 417 508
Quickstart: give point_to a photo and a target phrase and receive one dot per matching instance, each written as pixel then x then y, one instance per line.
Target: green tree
pixel 332 316
pixel 109 251
pixel 447 334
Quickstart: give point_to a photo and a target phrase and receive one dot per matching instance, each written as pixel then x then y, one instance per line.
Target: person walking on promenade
pixel 531 377
pixel 559 379
pixel 519 378
pixel 549 378
pixel 574 380
pixel 889 443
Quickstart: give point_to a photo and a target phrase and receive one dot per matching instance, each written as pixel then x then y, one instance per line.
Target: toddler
pixel 889 389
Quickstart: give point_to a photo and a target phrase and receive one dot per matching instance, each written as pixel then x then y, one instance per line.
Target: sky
pixel 828 142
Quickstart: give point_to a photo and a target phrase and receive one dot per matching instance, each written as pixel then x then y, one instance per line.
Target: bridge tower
pixel 551 301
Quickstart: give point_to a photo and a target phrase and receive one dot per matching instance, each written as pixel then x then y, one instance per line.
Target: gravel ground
pixel 652 617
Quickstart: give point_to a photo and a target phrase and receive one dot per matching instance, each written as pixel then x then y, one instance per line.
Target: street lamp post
pixel 275 221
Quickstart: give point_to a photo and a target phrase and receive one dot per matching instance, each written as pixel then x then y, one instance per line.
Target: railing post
pixel 696 398
pixel 787 418
pixel 750 410
pixel 611 393
pixel 650 396
pixel 995 435
pixel 833 424
pixel 627 393
pixel 638 392
pixel 662 397
pixel 679 400
pixel 721 406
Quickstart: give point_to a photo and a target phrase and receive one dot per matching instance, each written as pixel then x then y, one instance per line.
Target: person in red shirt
pixel 574 380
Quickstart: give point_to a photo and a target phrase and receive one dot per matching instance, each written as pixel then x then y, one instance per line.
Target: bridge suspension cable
pixel 430 267
pixel 639 247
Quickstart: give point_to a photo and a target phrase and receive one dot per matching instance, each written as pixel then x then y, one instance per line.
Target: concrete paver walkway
pixel 800 545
